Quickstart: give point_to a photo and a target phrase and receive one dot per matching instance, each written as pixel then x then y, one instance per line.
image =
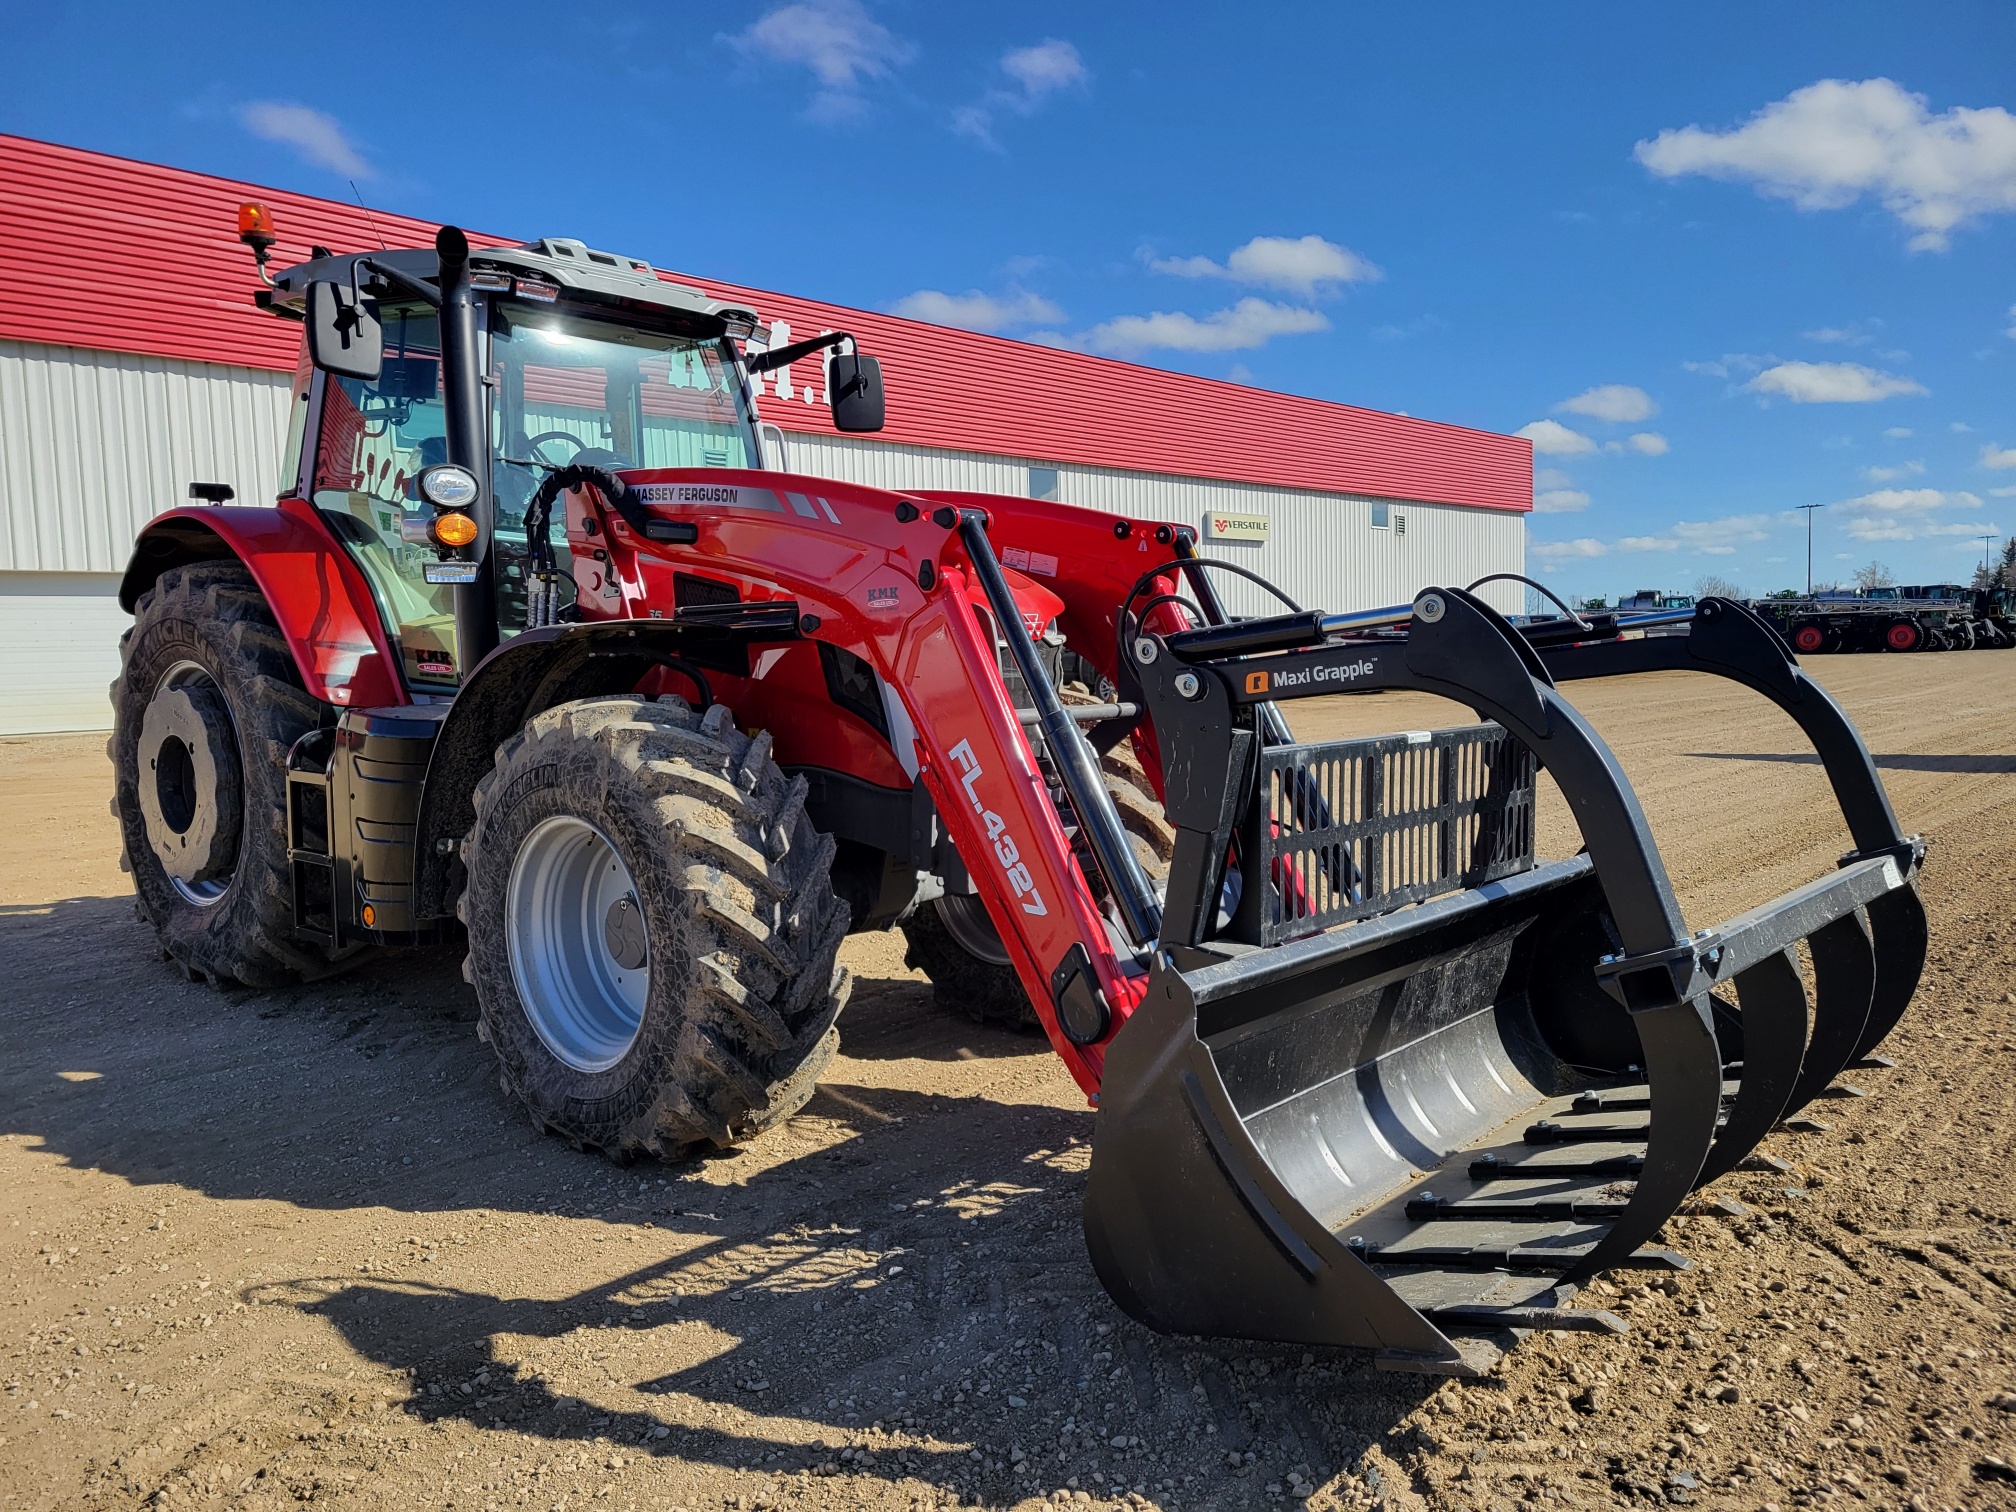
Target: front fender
pixel 318 595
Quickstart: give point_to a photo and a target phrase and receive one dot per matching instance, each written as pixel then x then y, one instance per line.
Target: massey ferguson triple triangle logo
pixel 1012 865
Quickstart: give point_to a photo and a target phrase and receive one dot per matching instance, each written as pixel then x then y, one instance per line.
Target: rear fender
pixel 318 596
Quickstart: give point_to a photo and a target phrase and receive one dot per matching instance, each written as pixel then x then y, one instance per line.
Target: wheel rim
pixel 579 955
pixel 1808 639
pixel 189 783
pixel 1903 637
pixel 965 919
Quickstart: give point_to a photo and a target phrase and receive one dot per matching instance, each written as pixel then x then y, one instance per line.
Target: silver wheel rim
pixel 208 891
pixel 965 919
pixel 575 933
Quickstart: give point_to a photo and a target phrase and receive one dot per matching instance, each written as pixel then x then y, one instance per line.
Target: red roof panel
pixel 116 255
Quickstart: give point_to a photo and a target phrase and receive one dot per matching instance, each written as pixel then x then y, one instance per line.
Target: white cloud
pixel 1825 146
pixel 1049 65
pixel 1960 428
pixel 1566 551
pixel 1304 265
pixel 1831 383
pixel 1560 501
pixel 2011 332
pixel 1909 501
pixel 1249 323
pixel 1998 457
pixel 1840 335
pixel 1729 364
pixel 317 137
pixel 1034 74
pixel 842 45
pixel 2008 492
pixel 1892 474
pixel 1710 537
pixel 975 311
pixel 1975 528
pixel 1650 443
pixel 1553 439
pixel 1611 401
pixel 1551 477
pixel 1898 433
pixel 1879 528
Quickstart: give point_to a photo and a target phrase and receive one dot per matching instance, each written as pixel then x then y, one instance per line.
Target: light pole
pixel 1985 540
pixel 1809 508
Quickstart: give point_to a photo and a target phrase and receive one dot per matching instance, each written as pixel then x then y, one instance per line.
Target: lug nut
pixel 1188 685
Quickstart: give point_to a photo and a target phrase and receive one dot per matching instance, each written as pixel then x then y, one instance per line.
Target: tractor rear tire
pixel 971 977
pixel 653 933
pixel 206 706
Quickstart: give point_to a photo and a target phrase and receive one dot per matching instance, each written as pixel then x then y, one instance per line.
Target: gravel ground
pixel 265 1248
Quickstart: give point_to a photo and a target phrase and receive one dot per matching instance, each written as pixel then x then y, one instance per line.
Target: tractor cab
pixel 570 357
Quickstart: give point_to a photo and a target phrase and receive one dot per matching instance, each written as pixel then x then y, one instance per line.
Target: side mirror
pixel 343 335
pixel 855 382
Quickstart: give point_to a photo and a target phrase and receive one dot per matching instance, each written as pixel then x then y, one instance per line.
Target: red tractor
pixel 539 652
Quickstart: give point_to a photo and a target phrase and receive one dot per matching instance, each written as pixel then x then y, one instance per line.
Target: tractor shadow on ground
pixel 1902 762
pixel 370 1092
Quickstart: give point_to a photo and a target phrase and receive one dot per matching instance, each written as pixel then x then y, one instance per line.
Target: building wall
pixel 1321 548
pixel 94 444
pixel 59 650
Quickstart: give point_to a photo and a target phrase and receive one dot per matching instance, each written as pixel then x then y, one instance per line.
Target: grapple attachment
pixel 1416 1088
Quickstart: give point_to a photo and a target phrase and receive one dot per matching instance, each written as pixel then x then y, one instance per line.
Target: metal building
pixel 132 362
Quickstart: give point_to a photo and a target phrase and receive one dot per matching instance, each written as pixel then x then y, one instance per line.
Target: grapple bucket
pixel 1418 1088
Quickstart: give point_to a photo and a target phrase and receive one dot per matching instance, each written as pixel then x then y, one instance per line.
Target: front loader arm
pixel 981 773
pixel 876 575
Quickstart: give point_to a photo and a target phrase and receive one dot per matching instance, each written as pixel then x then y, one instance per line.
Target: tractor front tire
pixel 954 943
pixel 207 704
pixel 653 932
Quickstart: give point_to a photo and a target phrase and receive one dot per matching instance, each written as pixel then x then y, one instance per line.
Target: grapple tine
pixel 1772 997
pixel 1684 1073
pixel 1898 928
pixel 1844 982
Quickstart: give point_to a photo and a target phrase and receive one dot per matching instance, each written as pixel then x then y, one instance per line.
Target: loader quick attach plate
pixel 1354 828
pixel 1423 1130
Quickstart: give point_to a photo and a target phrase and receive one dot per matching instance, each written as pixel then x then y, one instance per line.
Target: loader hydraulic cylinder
pixel 1077 766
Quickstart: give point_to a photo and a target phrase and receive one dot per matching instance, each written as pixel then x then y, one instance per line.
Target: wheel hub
pixel 189 782
pixel 965 919
pixel 580 953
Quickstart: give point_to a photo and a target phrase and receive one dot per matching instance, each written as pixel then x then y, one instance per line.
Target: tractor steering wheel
pixel 532 446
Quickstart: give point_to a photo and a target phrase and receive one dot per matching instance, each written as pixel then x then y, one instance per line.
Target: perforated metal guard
pixel 1359 827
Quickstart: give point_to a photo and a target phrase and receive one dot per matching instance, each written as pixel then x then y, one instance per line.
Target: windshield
pixel 573 389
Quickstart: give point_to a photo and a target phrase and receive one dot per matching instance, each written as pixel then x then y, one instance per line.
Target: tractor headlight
pixel 447 486
pixel 452 529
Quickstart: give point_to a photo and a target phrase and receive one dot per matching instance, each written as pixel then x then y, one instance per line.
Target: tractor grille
pixel 1354 828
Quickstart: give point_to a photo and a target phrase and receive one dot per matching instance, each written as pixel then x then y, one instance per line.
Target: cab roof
pixel 601 278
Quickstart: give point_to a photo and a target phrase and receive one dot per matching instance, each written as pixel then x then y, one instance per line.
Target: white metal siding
pixel 94 444
pixel 1322 548
pixel 59 650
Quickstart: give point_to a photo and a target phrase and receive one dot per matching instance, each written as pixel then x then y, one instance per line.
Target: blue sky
pixel 1719 260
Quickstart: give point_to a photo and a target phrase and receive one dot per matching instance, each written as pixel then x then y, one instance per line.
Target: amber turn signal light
pixel 452 529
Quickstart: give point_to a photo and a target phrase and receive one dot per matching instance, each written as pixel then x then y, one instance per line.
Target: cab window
pixel 373 440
